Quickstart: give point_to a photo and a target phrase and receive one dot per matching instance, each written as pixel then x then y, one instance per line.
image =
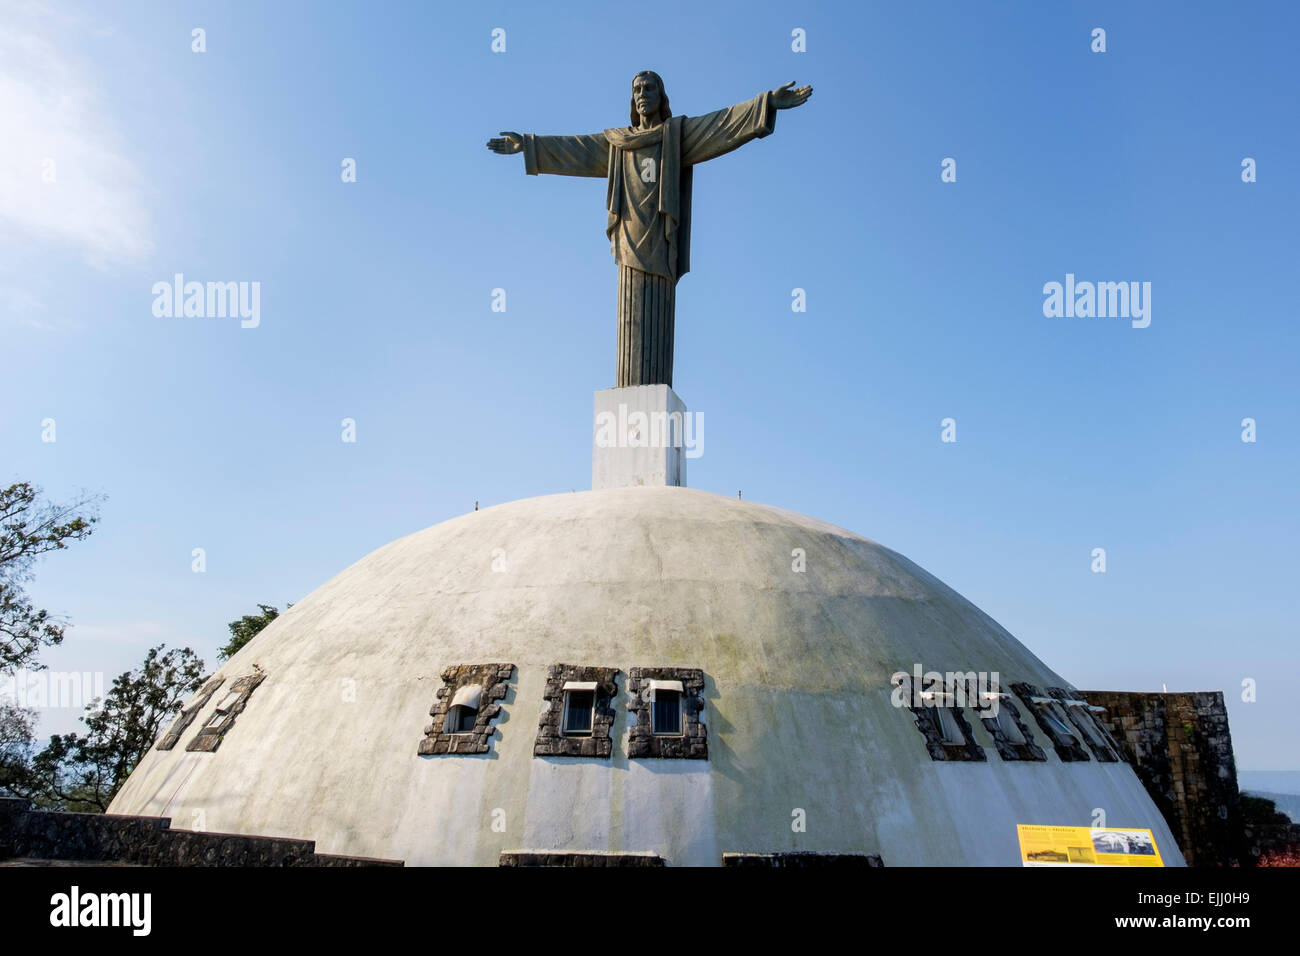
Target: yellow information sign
pixel 1086 846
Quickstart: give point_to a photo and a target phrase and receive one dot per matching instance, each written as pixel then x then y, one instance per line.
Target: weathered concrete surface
pixel 797 698
pixel 638 438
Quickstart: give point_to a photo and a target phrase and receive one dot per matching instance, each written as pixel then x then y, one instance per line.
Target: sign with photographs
pixel 1086 846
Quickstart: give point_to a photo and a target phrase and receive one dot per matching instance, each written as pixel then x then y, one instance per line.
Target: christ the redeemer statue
pixel 647 167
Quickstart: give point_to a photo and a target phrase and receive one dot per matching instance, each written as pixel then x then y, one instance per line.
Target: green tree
pixel 84 772
pixel 17 741
pixel 246 628
pixel 30 527
pixel 81 771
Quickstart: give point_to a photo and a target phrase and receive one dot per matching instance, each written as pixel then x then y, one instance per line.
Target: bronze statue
pixel 648 168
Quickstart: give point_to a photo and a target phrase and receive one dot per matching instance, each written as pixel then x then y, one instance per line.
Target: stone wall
pixel 561 858
pixel 1181 749
pixel 802 860
pixel 27 834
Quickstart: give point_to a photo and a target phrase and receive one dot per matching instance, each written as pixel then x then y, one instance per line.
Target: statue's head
pixel 649 99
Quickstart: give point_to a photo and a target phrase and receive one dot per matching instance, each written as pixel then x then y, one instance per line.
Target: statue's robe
pixel 648 198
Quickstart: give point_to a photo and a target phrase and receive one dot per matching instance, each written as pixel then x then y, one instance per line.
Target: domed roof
pixel 797 698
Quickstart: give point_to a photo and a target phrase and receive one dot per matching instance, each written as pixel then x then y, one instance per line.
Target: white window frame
pixel 1089 725
pixel 1003 718
pixel 1060 722
pixel 950 732
pixel 578 687
pixel 1007 723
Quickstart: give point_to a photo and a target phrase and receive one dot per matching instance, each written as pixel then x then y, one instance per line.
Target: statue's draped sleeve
pixel 566 155
pixel 715 134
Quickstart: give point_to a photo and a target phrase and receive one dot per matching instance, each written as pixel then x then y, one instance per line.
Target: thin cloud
pixel 49 113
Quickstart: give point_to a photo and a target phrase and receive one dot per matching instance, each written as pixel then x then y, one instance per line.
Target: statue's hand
pixel 506 144
pixel 784 98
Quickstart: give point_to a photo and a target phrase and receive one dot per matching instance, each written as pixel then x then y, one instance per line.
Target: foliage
pixel 30 527
pixel 17 739
pixel 1269 834
pixel 246 628
pixel 1288 856
pixel 83 772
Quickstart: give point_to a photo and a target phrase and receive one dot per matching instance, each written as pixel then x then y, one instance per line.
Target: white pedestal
pixel 639 437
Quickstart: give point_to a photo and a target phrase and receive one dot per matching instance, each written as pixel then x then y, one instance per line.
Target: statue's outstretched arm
pixel 715 134
pixel 558 155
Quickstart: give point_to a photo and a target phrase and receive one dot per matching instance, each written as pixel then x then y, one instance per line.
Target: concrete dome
pixel 797 698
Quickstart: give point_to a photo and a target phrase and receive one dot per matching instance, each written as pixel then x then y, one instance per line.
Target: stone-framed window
pixel 1011 735
pixel 229 707
pixel 467 703
pixel 947 733
pixel 655 694
pixel 802 859
pixel 1051 717
pixel 577 712
pixel 1101 718
pixel 1094 733
pixel 186 717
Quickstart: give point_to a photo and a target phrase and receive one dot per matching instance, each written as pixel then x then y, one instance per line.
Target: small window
pixel 464 709
pixel 666 713
pixel 1090 731
pixel 1082 716
pixel 578 713
pixel 1007 724
pixel 949 732
pixel 578 705
pixel 188 713
pixel 1052 720
pixel 228 708
pixel 667 703
pixel 1010 737
pixel 1058 724
pixel 463 713
pixel 460 719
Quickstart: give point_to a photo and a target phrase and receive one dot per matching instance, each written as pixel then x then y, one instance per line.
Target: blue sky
pixel 924 302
